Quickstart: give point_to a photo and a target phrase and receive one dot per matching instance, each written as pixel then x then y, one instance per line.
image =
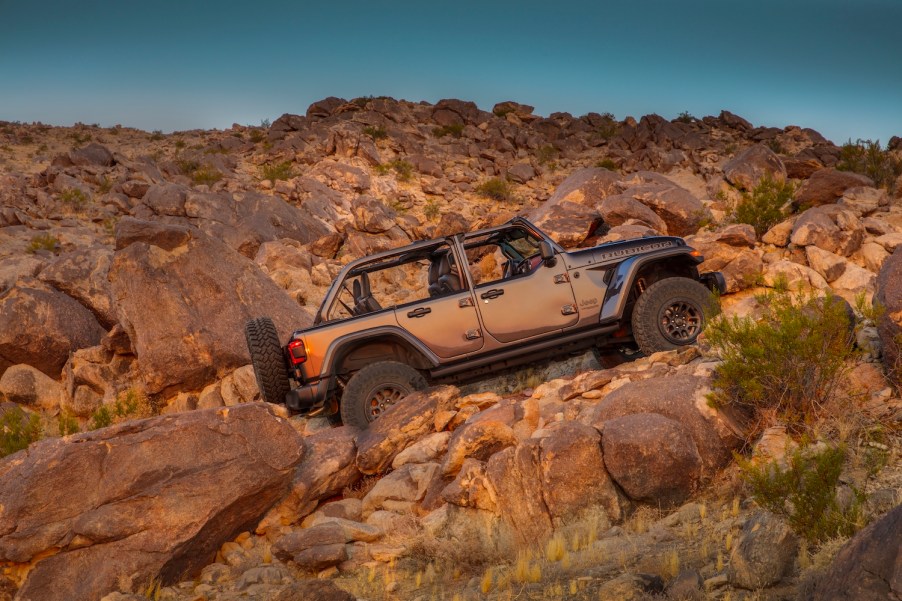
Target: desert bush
pixel 156 135
pixel 131 404
pixel 454 130
pixel 42 242
pixel 276 171
pixel 546 154
pixel 74 197
pixel 375 133
pixel 608 164
pixel 609 126
pixel 206 175
pixel 765 205
pixel 66 424
pixel 257 135
pixel 803 492
pixel 684 117
pixel 496 189
pixel 431 210
pixel 788 364
pixel 871 159
pixel 18 430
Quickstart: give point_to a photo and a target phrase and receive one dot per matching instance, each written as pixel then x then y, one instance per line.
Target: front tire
pixel 268 359
pixel 670 314
pixel 375 388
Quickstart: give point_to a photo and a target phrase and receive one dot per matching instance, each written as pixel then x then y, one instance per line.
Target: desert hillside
pixel 139 462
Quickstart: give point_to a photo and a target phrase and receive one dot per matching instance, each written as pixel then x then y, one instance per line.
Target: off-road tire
pixel 375 387
pixel 268 359
pixel 670 314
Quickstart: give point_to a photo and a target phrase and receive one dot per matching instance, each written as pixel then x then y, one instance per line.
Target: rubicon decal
pixel 634 250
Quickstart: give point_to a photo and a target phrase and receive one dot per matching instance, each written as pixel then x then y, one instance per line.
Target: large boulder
pixel 42 326
pixel 682 399
pixel 764 553
pixel 183 299
pixel 571 213
pixel 680 209
pixel 542 482
pixel 826 186
pixel 749 166
pixel 652 458
pixel 328 467
pixel 82 274
pixel 869 566
pixel 889 327
pixel 403 424
pixel 25 385
pixel 829 227
pixel 148 499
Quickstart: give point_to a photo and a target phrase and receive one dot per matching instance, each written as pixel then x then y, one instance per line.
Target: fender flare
pixel 382 331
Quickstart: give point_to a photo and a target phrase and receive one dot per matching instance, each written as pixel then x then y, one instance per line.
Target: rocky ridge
pixel 129 261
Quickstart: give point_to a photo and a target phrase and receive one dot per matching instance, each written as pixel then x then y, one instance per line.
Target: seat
pixel 442 279
pixel 363 296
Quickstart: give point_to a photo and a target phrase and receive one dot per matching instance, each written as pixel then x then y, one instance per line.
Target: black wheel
pixel 375 388
pixel 268 359
pixel 669 314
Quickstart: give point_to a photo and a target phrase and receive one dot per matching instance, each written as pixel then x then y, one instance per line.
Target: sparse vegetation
pixel 609 126
pixel 546 154
pixel 257 135
pixel 454 130
pixel 206 175
pixel 804 492
pixel 496 189
pixel 375 133
pixel 66 424
pixel 276 171
pixel 156 135
pixel 431 209
pixel 104 185
pixel 131 404
pixel 75 197
pixel 684 117
pixel 869 158
pixel 403 170
pixel 18 430
pixel 42 242
pixel 787 365
pixel 765 205
pixel 606 164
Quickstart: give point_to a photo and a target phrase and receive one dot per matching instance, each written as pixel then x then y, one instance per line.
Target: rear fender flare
pixel 336 350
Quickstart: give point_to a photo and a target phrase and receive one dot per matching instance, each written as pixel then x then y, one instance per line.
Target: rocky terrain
pixel 129 262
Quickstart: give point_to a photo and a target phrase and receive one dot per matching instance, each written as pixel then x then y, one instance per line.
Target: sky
pixel 832 65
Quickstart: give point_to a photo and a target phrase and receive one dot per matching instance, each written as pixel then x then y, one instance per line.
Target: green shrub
pixel 257 135
pixel 206 175
pixel 765 206
pixel 869 158
pixel 42 242
pixel 546 154
pixel 74 197
pixel 496 189
pixel 67 424
pixel 156 135
pixel 804 492
pixel 609 126
pixel 403 169
pixel 276 171
pixel 104 185
pixel 375 133
pixel 18 431
pixel 431 210
pixel 606 164
pixel 455 130
pixel 684 117
pixel 131 404
pixel 788 364
pixel 265 123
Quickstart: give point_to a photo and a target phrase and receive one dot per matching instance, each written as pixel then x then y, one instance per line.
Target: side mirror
pixel 547 252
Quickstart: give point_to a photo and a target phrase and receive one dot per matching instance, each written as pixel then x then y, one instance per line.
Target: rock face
pixel 41 326
pixel 889 294
pixel 826 186
pixel 156 498
pixel 206 291
pixel 869 566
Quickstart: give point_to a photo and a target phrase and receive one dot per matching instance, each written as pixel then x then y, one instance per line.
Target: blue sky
pixel 834 65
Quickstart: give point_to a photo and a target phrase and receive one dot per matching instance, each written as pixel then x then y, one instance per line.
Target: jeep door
pixel 519 296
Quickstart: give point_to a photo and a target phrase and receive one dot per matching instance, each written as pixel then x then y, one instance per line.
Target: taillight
pixel 296 352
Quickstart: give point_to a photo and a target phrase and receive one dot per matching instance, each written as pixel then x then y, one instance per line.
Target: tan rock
pixel 477 440
pixel 424 450
pixel 25 385
pixel 829 265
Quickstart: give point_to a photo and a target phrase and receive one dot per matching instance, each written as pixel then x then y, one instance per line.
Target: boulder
pixel 584 188
pixel 652 458
pixel 869 566
pixel 826 186
pixel 541 483
pixel 470 488
pixel 797 277
pixel 313 590
pixel 401 489
pixel 478 440
pixel 681 211
pixel 682 399
pixel 763 554
pixel 400 426
pixel 623 208
pixel 328 467
pixel 863 200
pixel 158 497
pixel 42 326
pixel 82 274
pixel 826 263
pixel 183 298
pixel 889 326
pixel 424 450
pixel 25 385
pixel 93 154
pixel 749 166
pixel 829 227
pixel 521 172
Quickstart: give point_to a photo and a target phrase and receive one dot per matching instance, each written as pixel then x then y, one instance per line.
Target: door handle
pixel 493 293
pixel 419 312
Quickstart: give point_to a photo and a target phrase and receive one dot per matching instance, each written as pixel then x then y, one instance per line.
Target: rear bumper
pixel 308 397
pixel 715 281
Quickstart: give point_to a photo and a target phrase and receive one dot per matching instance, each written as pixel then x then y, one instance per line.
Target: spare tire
pixel 268 359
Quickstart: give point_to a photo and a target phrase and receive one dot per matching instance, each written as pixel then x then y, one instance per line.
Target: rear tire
pixel 268 359
pixel 670 314
pixel 376 387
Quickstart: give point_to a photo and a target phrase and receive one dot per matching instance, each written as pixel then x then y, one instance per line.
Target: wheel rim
pixel 382 398
pixel 680 322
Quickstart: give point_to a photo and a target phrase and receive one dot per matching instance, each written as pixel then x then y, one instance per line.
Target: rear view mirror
pixel 547 252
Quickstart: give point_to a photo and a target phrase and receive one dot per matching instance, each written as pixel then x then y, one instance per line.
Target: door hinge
pixel 473 334
pixel 568 309
pixel 561 278
pixel 466 301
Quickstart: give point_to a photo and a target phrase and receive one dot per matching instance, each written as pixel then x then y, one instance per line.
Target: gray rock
pixel 25 385
pixel 749 166
pixel 763 554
